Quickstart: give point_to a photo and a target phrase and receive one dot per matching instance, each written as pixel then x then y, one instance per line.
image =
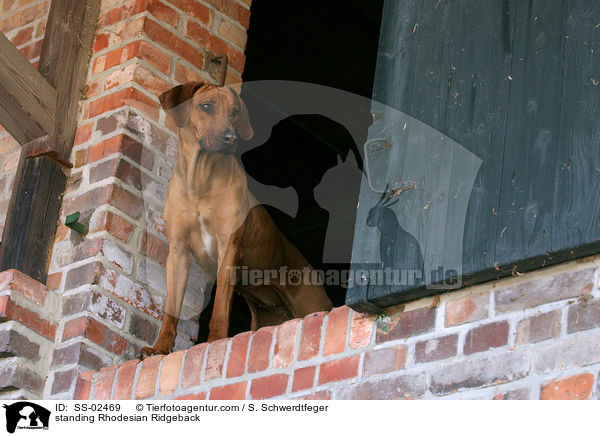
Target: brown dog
pixel 210 214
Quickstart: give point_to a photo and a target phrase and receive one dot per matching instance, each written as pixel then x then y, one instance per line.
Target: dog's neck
pixel 200 169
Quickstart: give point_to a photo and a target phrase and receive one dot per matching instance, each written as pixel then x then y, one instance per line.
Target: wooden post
pixel 32 213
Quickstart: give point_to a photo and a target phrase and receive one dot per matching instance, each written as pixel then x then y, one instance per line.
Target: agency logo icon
pixel 26 415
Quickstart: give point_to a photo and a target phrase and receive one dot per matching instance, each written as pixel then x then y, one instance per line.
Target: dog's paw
pixel 149 351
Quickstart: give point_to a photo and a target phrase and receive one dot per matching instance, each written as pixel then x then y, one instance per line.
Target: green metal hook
pixel 71 222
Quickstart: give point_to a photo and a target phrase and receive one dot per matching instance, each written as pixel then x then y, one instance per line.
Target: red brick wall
pixel 24 23
pixel 112 280
pixel 530 337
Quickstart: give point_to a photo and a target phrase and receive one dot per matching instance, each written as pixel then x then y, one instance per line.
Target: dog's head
pixel 210 116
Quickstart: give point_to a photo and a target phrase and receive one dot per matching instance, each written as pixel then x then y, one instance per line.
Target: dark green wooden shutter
pixel 493 108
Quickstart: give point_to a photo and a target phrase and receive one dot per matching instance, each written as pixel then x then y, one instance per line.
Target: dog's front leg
pixel 178 267
pixel 219 322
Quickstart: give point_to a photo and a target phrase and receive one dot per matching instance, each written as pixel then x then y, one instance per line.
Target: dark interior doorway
pixel 327 42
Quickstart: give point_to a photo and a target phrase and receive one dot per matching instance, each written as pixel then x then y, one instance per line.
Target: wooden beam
pixel 64 62
pixel 28 101
pixel 40 181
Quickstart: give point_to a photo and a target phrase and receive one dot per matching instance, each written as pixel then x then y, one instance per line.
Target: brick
pixel 14 375
pixel 169 375
pixel 136 73
pixel 514 394
pixel 155 57
pixel 53 281
pixel 63 380
pixel 115 57
pixel 258 359
pixel 163 12
pixel 583 316
pixel 199 396
pixel 123 12
pixel 129 203
pixel 69 252
pixel 117 226
pixel 361 329
pixel 125 380
pixel 104 384
pixel 101 42
pixel 195 8
pixel 14 280
pixel 116 168
pixel 320 396
pixel 9 310
pixel 403 387
pixel 539 327
pixel 88 201
pixel 236 391
pixel 23 36
pixel 337 370
pixel 74 328
pixel 192 370
pixel 487 336
pixel 310 338
pixel 13 343
pixel 577 387
pixel 405 324
pixel 233 33
pixel 571 352
pixel 215 359
pixel 467 309
pixel 285 343
pixel 173 43
pixel 268 387
pixel 237 356
pixel 384 360
pixel 233 10
pixel 147 380
pixel 23 17
pixel 479 372
pixel 304 378
pixel 83 386
pixel 337 327
pixel 129 30
pixel 436 349
pixel 125 97
pixel 97 333
pixel 184 74
pixel 143 328
pixel 121 144
pixel 154 248
pixel 83 133
pixel 81 354
pixel 544 290
pixel 82 275
pixel 214 44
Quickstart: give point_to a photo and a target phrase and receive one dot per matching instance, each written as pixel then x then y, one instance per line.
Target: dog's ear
pixel 176 102
pixel 244 128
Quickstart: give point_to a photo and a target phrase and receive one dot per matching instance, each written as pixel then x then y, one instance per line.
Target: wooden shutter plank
pixel 531 144
pixel 576 215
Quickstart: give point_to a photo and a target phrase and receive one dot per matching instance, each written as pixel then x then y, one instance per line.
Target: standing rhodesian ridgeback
pixel 210 214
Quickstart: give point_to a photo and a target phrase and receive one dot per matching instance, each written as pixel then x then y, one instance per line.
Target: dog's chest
pixel 208 240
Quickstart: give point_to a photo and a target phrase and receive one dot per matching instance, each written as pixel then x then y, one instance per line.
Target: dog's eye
pixel 235 112
pixel 207 107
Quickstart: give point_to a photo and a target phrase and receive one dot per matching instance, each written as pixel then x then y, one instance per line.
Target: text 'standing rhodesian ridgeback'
pixel 211 215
